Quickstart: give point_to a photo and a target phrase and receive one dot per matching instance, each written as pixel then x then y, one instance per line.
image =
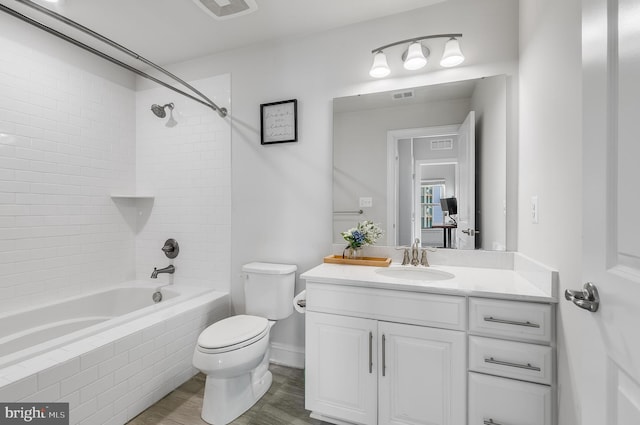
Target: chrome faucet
pixel 405 257
pixel 415 252
pixel 169 269
pixel 423 259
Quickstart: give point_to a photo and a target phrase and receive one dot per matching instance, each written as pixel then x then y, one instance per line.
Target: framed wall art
pixel 279 122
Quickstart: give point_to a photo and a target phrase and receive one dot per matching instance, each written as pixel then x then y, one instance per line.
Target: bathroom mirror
pixel 397 153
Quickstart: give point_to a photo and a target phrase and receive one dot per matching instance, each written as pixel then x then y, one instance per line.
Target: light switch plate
pixel 366 202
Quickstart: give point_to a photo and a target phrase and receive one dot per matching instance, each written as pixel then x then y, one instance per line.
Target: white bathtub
pixel 29 332
pixel 110 354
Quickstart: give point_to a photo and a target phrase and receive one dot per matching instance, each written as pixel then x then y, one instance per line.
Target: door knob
pixel 471 232
pixel 586 298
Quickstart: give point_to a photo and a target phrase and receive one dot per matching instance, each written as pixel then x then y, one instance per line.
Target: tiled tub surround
pixel 110 376
pixel 67 138
pixel 73 131
pixel 188 170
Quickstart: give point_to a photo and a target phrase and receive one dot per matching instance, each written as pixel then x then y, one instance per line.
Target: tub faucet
pixel 169 269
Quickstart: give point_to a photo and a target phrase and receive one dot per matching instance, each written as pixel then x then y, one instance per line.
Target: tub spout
pixel 169 269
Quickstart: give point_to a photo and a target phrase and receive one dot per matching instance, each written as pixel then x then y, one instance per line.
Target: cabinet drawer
pixel 510 319
pixel 517 360
pixel 439 311
pixel 502 401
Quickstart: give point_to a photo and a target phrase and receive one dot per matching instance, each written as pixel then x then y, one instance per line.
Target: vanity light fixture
pixel 416 55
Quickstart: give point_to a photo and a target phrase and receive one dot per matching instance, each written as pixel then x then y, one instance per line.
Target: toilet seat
pixel 232 333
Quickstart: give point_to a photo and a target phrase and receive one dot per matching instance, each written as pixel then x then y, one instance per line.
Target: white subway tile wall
pixel 68 140
pixel 188 170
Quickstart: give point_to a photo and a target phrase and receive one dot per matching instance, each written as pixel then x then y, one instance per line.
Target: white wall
pixel 67 130
pixel 550 165
pixel 281 194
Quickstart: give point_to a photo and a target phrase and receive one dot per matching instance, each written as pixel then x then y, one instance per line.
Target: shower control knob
pixel 171 248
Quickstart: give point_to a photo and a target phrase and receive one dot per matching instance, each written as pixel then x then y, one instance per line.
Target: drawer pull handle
pixel 503 363
pixel 511 322
pixel 491 422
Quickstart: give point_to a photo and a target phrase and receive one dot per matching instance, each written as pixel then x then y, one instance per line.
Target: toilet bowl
pixel 234 352
pixel 236 365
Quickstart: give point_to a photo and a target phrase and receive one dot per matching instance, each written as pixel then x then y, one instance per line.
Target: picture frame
pixel 279 122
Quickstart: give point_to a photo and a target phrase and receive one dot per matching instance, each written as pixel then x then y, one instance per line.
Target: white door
pixel 611 203
pixel 466 195
pixel 421 376
pixel 340 373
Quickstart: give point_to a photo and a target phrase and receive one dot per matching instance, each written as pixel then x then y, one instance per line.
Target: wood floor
pixel 282 404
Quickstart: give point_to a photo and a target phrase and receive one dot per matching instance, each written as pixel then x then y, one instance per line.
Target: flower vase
pixel 354 253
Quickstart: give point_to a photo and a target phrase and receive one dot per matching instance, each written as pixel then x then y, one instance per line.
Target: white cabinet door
pixel 341 367
pixel 422 377
pixel 502 401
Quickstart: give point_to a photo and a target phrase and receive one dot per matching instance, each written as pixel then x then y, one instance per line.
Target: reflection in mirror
pixel 397 154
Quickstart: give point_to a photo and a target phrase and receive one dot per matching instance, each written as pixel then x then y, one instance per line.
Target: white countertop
pixel 467 281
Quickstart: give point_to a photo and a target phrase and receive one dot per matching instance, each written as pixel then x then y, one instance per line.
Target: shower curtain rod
pixel 207 102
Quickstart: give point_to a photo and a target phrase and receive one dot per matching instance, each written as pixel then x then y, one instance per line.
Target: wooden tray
pixel 364 261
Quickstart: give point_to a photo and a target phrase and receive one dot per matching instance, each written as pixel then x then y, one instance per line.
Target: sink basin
pixel 414 273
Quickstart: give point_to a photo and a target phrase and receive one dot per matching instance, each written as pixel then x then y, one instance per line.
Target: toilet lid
pixel 232 331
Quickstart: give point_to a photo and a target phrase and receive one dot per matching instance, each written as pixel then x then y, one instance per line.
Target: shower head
pixel 159 111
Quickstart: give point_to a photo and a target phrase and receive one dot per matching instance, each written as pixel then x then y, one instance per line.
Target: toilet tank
pixel 268 289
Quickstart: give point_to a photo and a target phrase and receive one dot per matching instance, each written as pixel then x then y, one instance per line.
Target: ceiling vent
pixel 442 144
pixel 408 94
pixel 227 9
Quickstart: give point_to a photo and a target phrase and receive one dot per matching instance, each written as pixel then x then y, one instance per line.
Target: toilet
pixel 234 352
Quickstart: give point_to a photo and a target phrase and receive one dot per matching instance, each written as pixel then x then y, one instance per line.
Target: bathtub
pixel 109 354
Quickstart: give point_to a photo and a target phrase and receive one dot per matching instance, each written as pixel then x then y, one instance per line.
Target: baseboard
pixel 328 419
pixel 287 355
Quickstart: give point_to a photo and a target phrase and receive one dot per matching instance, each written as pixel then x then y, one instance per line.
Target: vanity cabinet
pixel 371 358
pixel 382 351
